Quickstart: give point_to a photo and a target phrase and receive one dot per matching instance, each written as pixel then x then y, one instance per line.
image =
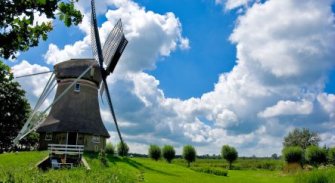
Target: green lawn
pixel 20 168
pixel 163 172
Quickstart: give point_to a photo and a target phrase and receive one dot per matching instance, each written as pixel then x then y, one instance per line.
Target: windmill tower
pixel 74 118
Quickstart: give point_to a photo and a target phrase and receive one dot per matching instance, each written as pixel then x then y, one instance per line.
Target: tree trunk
pixel 230 165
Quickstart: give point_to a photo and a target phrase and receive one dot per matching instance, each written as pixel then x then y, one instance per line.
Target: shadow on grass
pixel 136 165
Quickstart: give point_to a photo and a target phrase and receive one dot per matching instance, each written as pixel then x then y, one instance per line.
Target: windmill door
pixel 72 138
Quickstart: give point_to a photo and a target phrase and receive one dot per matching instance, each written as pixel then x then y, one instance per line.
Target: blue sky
pixel 208 72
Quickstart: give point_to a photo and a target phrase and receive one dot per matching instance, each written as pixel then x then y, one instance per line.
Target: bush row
pixel 313 155
pixel 210 170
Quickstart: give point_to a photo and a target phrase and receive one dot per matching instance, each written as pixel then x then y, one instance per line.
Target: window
pixel 96 139
pixel 48 136
pixel 77 87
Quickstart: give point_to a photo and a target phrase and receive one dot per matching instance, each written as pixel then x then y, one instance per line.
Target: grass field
pixel 20 168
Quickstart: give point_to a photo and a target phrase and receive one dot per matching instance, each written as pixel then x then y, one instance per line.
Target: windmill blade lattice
pixel 113 48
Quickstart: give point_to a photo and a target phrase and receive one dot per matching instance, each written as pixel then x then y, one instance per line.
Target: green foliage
pixel 122 149
pixel 154 152
pixel 103 158
pixel 110 150
pixel 293 154
pixel 302 138
pixel 30 142
pixel 168 153
pixel 18 22
pixel 210 170
pixel 316 155
pixel 14 108
pixel 331 156
pixel 317 176
pixel 229 153
pixel 189 154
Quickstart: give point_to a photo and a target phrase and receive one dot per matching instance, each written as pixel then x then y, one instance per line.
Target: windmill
pixel 76 112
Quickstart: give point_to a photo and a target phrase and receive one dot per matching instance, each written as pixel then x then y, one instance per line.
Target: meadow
pixel 20 167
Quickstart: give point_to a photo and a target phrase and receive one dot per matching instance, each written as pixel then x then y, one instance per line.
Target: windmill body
pixel 74 123
pixel 75 119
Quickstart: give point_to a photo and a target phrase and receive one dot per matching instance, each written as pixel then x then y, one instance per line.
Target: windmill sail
pixel 112 46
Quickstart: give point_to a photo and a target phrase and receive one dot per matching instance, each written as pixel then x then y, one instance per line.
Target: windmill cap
pixel 75 67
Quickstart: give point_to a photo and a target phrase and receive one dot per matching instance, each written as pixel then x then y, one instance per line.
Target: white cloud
pixel 33 85
pixel 287 108
pixel 80 49
pixel 291 43
pixel 165 35
pixel 232 4
pixel 327 101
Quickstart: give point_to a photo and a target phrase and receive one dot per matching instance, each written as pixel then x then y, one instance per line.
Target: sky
pixel 206 72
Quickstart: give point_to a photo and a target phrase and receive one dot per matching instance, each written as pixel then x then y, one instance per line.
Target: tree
pixel 122 149
pixel 316 155
pixel 331 155
pixel 14 108
pixel 168 153
pixel 229 153
pixel 189 154
pixel 302 138
pixel 110 149
pixel 30 141
pixel 18 27
pixel 293 154
pixel 274 156
pixel 154 152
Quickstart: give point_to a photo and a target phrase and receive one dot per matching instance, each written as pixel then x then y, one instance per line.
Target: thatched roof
pixel 76 111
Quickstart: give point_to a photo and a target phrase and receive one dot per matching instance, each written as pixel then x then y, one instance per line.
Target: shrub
pixel 110 149
pixel 229 153
pixel 168 153
pixel 103 158
pixel 331 156
pixel 210 170
pixel 274 156
pixel 317 176
pixel 316 155
pixel 189 154
pixel 154 152
pixel 293 154
pixel 122 149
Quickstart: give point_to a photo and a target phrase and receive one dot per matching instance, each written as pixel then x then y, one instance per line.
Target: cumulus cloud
pixel 232 4
pixel 80 49
pixel 33 85
pixel 327 101
pixel 287 108
pixel 160 34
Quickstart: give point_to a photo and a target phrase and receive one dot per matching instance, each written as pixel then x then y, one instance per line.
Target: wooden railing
pixel 66 149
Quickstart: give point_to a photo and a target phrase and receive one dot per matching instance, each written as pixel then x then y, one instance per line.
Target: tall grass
pixel 317 176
